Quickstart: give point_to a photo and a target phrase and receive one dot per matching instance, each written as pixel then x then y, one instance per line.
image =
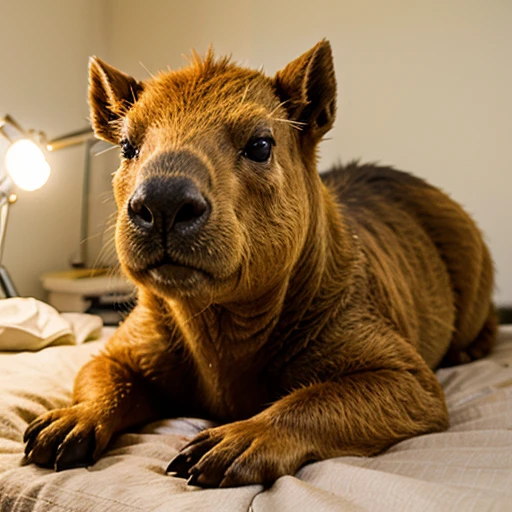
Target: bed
pixel 467 468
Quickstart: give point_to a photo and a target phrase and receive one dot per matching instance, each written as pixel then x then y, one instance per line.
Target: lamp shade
pixel 26 164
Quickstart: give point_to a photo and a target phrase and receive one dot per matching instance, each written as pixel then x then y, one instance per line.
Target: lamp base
pixel 6 284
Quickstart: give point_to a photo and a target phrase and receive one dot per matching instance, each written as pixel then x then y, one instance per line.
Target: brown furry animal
pixel 305 313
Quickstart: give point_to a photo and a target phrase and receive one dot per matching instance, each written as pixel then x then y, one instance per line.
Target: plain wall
pixel 45 49
pixel 423 86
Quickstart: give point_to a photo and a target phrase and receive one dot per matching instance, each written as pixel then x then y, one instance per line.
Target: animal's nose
pixel 168 205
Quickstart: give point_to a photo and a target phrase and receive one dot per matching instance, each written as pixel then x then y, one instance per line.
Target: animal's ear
pixel 308 86
pixel 111 95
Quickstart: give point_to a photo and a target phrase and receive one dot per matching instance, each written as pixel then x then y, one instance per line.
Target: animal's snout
pixel 168 205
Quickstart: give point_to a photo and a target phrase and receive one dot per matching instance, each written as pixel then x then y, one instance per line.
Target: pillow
pixel 29 324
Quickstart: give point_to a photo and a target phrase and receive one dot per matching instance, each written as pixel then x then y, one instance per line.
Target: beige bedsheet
pixel 467 468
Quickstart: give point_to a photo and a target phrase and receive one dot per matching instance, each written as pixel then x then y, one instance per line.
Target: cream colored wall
pixel 43 68
pixel 424 86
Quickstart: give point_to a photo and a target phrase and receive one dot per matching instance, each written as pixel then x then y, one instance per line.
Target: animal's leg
pixel 486 337
pixel 109 396
pixel 479 347
pixel 107 399
pixel 361 413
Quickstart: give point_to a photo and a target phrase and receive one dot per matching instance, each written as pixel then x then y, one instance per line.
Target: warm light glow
pixel 27 165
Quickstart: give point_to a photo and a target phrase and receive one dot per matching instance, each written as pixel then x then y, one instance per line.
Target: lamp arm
pixel 6 283
pixel 7 119
pixel 71 139
pixel 6 193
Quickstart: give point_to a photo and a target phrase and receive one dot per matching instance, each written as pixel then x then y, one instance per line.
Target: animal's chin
pixel 170 277
pixel 176 276
pixel 172 273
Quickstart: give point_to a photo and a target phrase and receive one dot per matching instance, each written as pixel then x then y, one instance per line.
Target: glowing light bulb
pixel 27 165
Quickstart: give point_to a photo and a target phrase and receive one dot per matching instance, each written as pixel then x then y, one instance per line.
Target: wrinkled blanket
pixel 467 468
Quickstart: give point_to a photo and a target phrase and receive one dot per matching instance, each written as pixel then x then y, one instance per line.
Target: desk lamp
pixel 28 169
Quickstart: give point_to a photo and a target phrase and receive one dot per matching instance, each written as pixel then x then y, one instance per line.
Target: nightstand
pixel 97 291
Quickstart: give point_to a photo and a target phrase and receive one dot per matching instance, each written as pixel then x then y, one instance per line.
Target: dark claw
pixel 47 464
pixel 62 466
pixel 193 479
pixel 179 465
pixel 29 446
pixel 211 478
pixel 75 453
pixel 30 429
pixel 189 456
pixel 34 428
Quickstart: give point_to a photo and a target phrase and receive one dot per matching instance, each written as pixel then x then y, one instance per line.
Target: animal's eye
pixel 258 149
pixel 129 151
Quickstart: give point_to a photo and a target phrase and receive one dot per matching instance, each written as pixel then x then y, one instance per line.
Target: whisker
pixel 147 70
pixel 106 150
pixel 99 261
pixel 282 104
pixel 298 125
pixel 200 312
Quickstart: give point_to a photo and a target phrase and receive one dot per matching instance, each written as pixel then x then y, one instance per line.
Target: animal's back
pixel 425 255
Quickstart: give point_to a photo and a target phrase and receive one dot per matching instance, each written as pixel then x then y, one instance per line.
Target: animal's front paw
pixel 241 453
pixel 66 438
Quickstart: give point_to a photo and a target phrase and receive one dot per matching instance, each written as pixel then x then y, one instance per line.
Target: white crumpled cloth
pixel 30 324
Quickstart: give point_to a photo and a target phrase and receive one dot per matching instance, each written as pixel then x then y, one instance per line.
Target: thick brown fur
pixel 307 314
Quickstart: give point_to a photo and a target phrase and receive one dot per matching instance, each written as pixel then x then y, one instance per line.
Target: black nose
pixel 168 205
